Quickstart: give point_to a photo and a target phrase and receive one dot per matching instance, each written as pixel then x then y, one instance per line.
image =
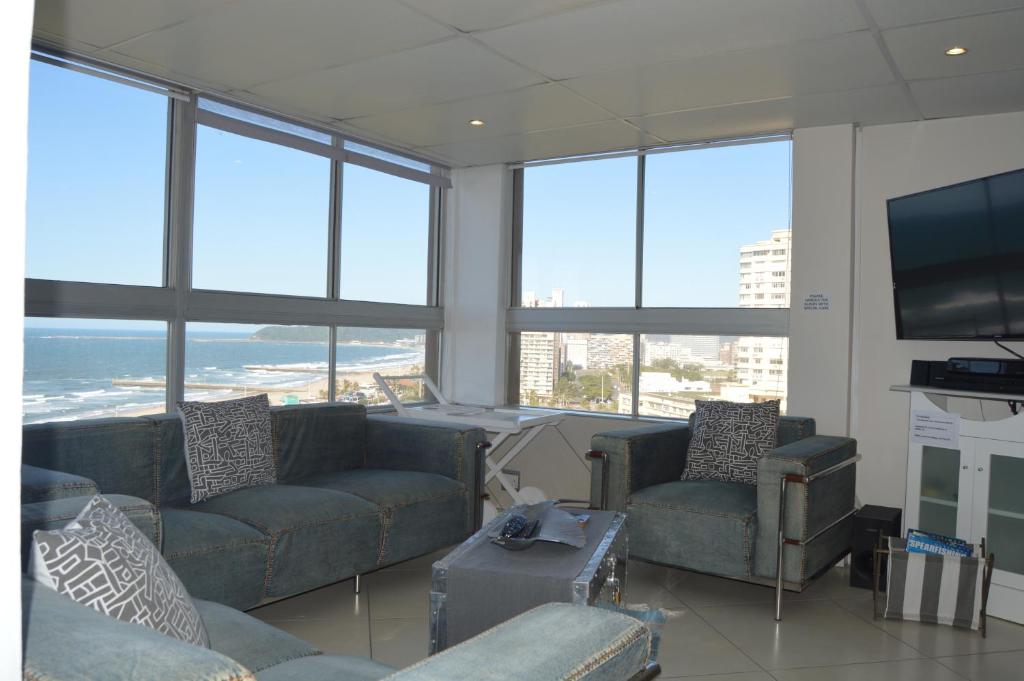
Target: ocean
pixel 70 374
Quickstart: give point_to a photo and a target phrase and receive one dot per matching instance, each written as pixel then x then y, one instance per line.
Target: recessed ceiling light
pixel 956 51
pixel 477 123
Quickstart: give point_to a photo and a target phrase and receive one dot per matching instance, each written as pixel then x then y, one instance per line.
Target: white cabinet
pixel 973 488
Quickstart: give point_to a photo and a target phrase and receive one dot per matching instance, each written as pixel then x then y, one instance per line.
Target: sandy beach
pixel 313 391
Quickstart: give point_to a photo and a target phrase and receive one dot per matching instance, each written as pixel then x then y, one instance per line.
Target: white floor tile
pixel 988 667
pixel 334 602
pixel 812 633
pixel 400 642
pixel 338 637
pixel 398 594
pixel 690 647
pixel 895 670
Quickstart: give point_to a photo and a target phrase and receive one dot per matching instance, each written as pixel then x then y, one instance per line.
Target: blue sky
pixel 579 224
pixel 96 187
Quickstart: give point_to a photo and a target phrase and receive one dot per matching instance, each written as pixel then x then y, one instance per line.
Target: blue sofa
pixel 354 493
pixel 66 641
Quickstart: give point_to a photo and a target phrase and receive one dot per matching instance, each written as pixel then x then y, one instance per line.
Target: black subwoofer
pixel 870 523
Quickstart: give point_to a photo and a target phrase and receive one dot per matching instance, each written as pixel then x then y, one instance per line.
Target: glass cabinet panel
pixel 1006 512
pixel 940 484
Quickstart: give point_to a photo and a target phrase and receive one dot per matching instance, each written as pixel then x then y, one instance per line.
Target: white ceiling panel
pixel 995 42
pixel 245 43
pixel 539 107
pixel 454 69
pixel 885 104
pixel 106 22
pixel 477 15
pixel 970 95
pixel 632 33
pixel 848 61
pixel 581 139
pixel 890 13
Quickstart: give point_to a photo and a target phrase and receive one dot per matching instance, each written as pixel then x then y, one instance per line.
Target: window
pixel 705 210
pixel 261 220
pixel 227 361
pixel 97 171
pixel 579 234
pixel 92 368
pixel 111 164
pixel 385 237
pixel 589 371
pixel 709 220
pixel 390 352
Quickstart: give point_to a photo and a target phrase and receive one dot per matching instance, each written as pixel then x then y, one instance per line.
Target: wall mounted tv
pixel 958 260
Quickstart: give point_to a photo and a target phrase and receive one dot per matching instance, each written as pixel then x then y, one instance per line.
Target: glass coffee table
pixel 479 584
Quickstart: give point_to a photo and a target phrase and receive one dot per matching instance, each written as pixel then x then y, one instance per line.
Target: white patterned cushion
pixel 728 439
pixel 102 560
pixel 228 445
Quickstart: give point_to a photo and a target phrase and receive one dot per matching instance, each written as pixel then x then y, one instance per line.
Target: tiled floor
pixel 717 629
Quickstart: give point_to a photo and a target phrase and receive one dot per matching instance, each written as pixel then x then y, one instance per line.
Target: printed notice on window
pixel 817 302
pixel 939 430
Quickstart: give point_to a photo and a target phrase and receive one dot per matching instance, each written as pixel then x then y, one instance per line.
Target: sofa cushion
pixel 41 484
pixel 340 667
pixel 173 487
pixel 421 512
pixel 67 641
pixel 729 438
pixel 228 445
pixel 563 642
pixel 218 558
pixel 102 560
pixel 317 536
pixel 702 525
pixel 117 453
pixel 322 438
pixel 248 641
pixel 56 513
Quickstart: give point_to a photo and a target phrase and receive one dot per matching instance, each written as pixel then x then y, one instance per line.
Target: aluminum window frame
pixel 177 303
pixel 637 320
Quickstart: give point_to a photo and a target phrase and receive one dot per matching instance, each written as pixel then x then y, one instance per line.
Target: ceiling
pixel 562 77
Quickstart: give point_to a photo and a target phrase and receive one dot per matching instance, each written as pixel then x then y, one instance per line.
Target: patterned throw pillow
pixel 228 445
pixel 102 560
pixel 728 438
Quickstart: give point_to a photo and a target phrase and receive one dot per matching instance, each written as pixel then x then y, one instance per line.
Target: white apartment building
pixel 761 362
pixel 539 362
pixel 608 350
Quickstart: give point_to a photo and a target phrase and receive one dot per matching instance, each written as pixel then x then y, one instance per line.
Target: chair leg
pixel 781 544
pixel 355 585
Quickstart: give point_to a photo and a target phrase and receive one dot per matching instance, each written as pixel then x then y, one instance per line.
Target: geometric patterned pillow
pixel 228 445
pixel 728 439
pixel 102 560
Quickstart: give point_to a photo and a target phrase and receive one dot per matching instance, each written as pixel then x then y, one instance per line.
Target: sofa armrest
pixel 825 499
pixel 554 641
pixel 56 513
pixel 635 459
pixel 42 484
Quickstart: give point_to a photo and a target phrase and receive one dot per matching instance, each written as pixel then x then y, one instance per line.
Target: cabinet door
pixel 999 507
pixel 941 501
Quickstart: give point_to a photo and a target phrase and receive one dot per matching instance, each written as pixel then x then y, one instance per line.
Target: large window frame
pixel 637 320
pixel 176 302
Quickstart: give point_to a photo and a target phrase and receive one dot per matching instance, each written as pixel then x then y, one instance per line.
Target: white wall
pixel 476 240
pixel 819 345
pixel 896 160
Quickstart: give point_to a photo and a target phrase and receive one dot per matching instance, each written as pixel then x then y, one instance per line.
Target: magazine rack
pixel 937 592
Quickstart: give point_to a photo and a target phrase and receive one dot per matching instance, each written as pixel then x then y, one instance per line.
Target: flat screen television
pixel 958 260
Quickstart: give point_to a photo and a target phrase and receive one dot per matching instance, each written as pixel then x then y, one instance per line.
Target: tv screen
pixel 958 260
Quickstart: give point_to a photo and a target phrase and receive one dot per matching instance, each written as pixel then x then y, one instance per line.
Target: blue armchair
pixel 806 486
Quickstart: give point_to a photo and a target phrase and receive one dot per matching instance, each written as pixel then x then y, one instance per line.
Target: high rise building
pixel 539 363
pixel 762 361
pixel 608 350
